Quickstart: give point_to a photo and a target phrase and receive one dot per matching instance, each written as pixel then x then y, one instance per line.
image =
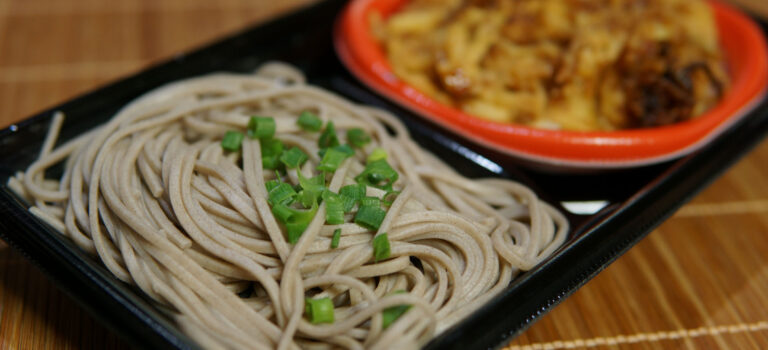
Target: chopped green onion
pixel 370 216
pixel 332 160
pixel 311 189
pixel 357 137
pixel 293 158
pixel 271 184
pixel 271 147
pixel 315 181
pixel 270 163
pixel 351 195
pixel 380 247
pixel 342 148
pixel 328 138
pixel 295 220
pixel 345 149
pixel 336 238
pixel 282 193
pixel 294 230
pixel 385 198
pixel 334 208
pixel 391 314
pixel 232 141
pixel 309 121
pixel 378 173
pixel 319 310
pixel 282 212
pixel 306 198
pixel 261 127
pixel 370 202
pixel 377 154
pixel 270 153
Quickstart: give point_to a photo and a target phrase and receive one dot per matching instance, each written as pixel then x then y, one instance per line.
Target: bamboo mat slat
pixel 699 281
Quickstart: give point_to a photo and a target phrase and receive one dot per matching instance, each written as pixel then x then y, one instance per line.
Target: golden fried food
pixel 582 65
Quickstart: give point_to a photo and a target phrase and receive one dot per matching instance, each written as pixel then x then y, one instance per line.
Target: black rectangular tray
pixel 637 200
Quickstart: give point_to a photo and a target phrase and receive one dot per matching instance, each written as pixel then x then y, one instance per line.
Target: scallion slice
pixel 294 230
pixel 270 153
pixel 377 154
pixel 332 160
pixel 261 127
pixel 311 189
pixel 293 158
pixel 336 238
pixel 271 184
pixel 370 216
pixel 309 121
pixel 334 208
pixel 341 148
pixel 380 247
pixel 328 138
pixel 370 202
pixel 378 173
pixel 389 197
pixel 352 194
pixel 271 147
pixel 319 310
pixel 295 220
pixel 283 193
pixel 391 314
pixel 232 141
pixel 357 137
pixel 282 212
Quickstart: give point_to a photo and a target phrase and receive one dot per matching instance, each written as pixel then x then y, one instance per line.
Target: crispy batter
pixel 560 64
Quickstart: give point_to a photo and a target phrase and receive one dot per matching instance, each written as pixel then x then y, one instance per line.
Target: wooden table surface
pixel 698 281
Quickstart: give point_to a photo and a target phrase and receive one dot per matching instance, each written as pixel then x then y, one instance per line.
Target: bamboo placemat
pixel 699 281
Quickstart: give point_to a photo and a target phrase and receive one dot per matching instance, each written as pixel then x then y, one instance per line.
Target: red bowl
pixel 740 38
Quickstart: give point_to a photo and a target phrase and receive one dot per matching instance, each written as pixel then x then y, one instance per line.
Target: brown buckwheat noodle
pixel 155 196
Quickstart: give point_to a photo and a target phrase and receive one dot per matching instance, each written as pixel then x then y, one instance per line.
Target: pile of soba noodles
pixel 262 212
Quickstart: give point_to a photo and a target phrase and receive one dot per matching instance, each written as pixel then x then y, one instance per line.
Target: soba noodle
pixel 156 198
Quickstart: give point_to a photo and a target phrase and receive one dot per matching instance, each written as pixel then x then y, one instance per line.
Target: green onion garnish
pixel 357 137
pixel 309 121
pixel 232 141
pixel 311 189
pixel 282 212
pixel 391 314
pixel 345 149
pixel 294 230
pixel 293 158
pixel 334 208
pixel 295 220
pixel 378 173
pixel 271 184
pixel 319 310
pixel 336 238
pixel 351 195
pixel 270 153
pixel 370 216
pixel 328 138
pixel 377 154
pixel 261 127
pixel 380 247
pixel 281 194
pixel 270 162
pixel 341 148
pixel 370 202
pixel 271 147
pixel 332 160
pixel 389 197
